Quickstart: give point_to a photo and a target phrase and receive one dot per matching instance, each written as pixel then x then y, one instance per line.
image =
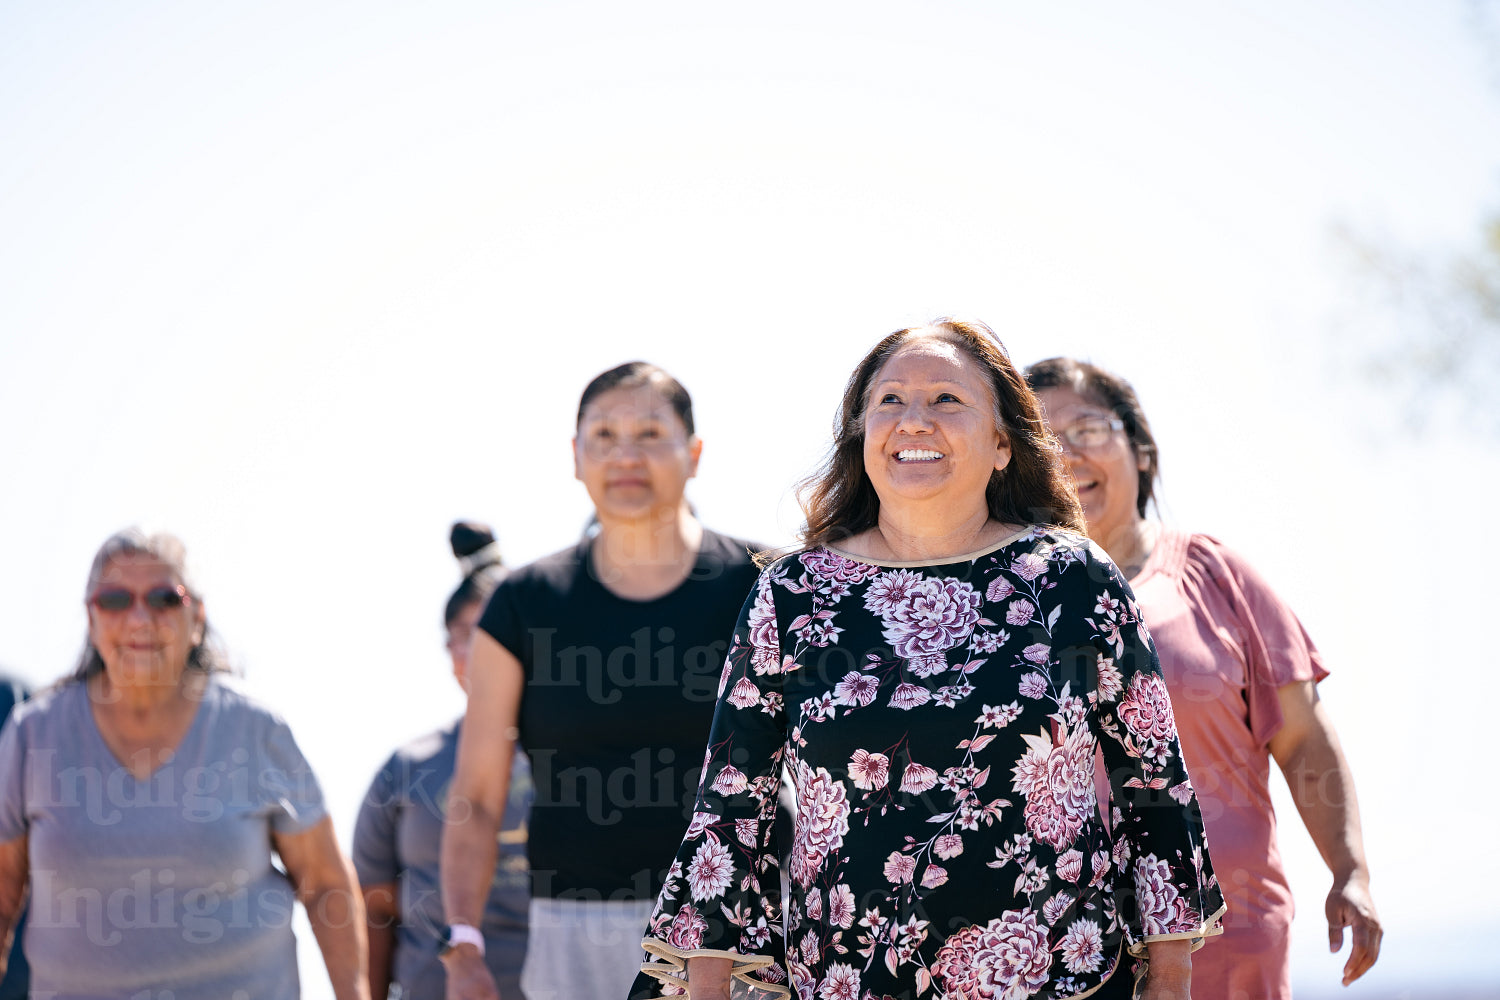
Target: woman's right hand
pixel 708 978
pixel 468 977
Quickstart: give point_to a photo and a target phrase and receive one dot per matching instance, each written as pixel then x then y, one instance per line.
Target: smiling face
pixel 634 454
pixel 1107 477
pixel 140 645
pixel 930 431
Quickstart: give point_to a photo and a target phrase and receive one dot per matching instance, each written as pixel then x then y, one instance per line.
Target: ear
pixel 200 622
pixel 1002 452
pixel 577 466
pixel 695 452
pixel 1142 459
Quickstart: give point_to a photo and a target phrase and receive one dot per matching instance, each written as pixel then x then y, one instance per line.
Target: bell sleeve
pixel 722 894
pixel 1164 883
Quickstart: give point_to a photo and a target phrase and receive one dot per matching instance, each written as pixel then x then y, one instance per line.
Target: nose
pixel 914 419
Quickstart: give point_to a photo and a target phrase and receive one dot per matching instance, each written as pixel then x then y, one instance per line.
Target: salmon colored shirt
pixel 1226 644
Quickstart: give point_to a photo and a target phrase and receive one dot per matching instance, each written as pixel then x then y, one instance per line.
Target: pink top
pixel 1226 644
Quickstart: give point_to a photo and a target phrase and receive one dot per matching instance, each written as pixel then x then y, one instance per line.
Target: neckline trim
pixel 942 561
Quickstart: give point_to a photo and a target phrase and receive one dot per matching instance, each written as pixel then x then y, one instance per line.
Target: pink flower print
pixel 999 717
pixel 1019 612
pixel 934 876
pixel 687 928
pixel 1028 566
pixel 745 694
pixel 765 639
pixel 856 689
pixel 1110 682
pixel 842 983
pixel 1156 896
pixel 822 822
pixel 890 590
pixel 814 905
pixel 1146 711
pixel 1182 792
pixel 928 664
pixel 1107 604
pixel 899 868
pixel 730 781
pixel 841 906
pixel 935 616
pixel 829 565
pixel 810 947
pixel 1070 866
pixel 869 771
pixel 711 870
pixel 1100 864
pixel 1037 652
pixel 917 778
pixel 988 642
pixel 1033 685
pixel 909 696
pixel 949 845
pixel 1000 588
pixel 746 831
pixel 1006 959
pixel 1054 908
pixel 1082 947
pixel 727 673
pixel 701 821
pixel 1058 782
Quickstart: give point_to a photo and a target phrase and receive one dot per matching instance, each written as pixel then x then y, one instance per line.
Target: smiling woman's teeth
pixel 918 455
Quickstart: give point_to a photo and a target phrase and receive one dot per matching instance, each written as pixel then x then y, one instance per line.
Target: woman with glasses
pixel 164 824
pixel 604 659
pixel 400 826
pixel 1243 678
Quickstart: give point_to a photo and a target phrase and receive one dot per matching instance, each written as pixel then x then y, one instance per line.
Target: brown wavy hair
pixel 838 499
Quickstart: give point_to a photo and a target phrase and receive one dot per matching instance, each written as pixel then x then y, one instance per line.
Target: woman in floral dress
pixel 937 670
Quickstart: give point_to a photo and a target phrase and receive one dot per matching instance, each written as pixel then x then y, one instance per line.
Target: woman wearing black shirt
pixel 604 659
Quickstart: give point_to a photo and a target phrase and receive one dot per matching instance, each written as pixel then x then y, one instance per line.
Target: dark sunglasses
pixel 118 600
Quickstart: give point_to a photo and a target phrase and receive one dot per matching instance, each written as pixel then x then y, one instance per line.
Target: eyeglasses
pixel 158 600
pixel 1090 433
pixel 602 444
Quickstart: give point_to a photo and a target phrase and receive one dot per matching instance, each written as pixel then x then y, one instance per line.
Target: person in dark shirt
pixel 605 660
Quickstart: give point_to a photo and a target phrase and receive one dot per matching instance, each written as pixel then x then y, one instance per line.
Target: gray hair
pixel 168 550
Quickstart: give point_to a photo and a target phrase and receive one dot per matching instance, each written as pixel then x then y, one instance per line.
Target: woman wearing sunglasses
pixel 1242 675
pixel 145 802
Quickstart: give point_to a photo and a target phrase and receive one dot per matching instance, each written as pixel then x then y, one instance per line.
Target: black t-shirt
pixel 616 710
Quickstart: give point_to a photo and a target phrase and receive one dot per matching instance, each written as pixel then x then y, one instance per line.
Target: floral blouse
pixel 939 724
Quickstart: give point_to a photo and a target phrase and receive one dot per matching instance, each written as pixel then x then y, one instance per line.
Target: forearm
pixel 708 978
pixel 468 855
pixel 1169 970
pixel 338 923
pixel 382 938
pixel 1322 787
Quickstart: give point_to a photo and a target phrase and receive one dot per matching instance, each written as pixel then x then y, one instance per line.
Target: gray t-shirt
pixel 397 838
pixel 165 884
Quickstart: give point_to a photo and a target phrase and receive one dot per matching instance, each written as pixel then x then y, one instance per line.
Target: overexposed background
pixel 304 283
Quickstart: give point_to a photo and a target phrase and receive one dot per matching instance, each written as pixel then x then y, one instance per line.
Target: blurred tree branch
pixel 1435 334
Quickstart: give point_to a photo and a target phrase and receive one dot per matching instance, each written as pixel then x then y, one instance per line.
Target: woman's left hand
pixel 1349 905
pixel 1169 971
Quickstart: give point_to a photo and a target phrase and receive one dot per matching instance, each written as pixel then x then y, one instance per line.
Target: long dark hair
pixel 838 500
pixel 1114 394
pixel 170 552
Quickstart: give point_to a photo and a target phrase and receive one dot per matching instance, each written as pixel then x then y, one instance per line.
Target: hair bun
pixel 474 546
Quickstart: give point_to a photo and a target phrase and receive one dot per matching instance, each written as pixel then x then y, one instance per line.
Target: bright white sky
pixel 305 282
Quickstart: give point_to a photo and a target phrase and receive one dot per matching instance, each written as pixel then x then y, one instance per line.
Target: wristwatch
pixel 454 935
